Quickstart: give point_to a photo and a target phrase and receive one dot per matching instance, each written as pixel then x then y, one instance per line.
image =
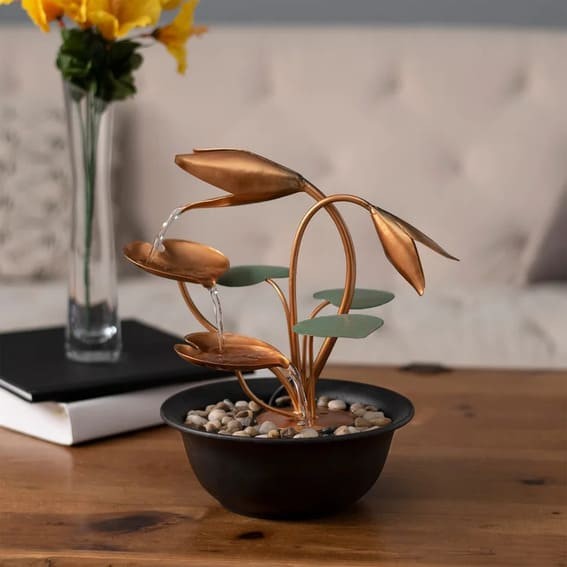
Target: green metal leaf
pixel 362 299
pixel 250 275
pixel 350 326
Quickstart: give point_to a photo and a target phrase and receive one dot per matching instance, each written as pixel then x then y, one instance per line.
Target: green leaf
pixel 350 326
pixel 94 64
pixel 250 275
pixel 362 299
pixel 121 51
pixel 135 61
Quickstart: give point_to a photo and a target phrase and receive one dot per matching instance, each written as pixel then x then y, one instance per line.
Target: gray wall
pixel 548 13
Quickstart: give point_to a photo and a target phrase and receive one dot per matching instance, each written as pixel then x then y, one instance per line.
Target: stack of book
pixel 47 396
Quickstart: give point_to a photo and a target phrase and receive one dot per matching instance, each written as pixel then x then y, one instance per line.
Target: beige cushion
pixel 461 131
pixel 549 261
pixel 493 327
pixel 397 115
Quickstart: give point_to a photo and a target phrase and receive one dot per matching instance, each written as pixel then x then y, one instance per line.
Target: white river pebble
pixel 254 406
pixel 244 421
pixel 370 415
pixel 233 425
pixel 196 420
pixel 323 401
pixel 240 434
pixel 217 414
pixel 342 430
pixel 307 433
pixel 267 426
pixel 198 412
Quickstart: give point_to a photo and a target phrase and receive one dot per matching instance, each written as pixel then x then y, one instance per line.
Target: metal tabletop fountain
pixel 248 178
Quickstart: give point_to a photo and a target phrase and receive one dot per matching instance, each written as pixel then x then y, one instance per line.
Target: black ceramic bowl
pixel 287 478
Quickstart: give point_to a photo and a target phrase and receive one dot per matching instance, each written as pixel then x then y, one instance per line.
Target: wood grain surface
pixel 479 477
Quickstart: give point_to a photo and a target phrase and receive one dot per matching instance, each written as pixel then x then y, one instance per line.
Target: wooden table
pixel 478 478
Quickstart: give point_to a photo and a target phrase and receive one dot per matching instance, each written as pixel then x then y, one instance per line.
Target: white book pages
pixel 71 423
pixel 75 422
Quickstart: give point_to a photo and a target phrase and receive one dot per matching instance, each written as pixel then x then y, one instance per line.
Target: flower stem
pixel 90 131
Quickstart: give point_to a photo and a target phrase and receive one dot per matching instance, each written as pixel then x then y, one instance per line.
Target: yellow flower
pixel 169 4
pixel 115 18
pixel 43 12
pixel 75 10
pixel 175 35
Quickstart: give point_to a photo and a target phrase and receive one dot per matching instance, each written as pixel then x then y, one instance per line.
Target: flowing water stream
pixel 295 379
pixel 157 245
pixel 219 324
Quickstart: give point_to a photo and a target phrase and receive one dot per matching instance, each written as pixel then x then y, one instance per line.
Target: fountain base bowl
pixel 287 478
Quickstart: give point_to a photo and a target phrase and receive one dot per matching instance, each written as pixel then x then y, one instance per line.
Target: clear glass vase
pixel 93 327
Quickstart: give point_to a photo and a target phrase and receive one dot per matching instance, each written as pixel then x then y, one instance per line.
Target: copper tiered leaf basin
pixel 180 260
pixel 238 352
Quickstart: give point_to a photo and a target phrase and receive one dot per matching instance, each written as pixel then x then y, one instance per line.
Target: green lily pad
pixel 350 326
pixel 239 276
pixel 362 299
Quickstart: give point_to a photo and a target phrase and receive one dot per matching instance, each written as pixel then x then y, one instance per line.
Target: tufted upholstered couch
pixel 461 132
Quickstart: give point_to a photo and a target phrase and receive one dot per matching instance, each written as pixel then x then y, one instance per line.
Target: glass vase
pixel 93 327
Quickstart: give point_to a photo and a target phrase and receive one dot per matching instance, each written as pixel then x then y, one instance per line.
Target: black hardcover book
pixel 33 365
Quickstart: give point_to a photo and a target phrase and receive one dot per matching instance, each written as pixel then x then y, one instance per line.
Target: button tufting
pixel 519 83
pixel 469 146
pixel 263 85
pixel 389 85
pixel 455 165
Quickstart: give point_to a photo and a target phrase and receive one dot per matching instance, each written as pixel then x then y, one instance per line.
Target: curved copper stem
pixel 312 380
pixel 350 274
pixel 260 402
pixel 215 202
pixel 285 306
pixel 194 309
pixel 304 358
pixel 307 361
pixel 350 258
pixel 329 343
